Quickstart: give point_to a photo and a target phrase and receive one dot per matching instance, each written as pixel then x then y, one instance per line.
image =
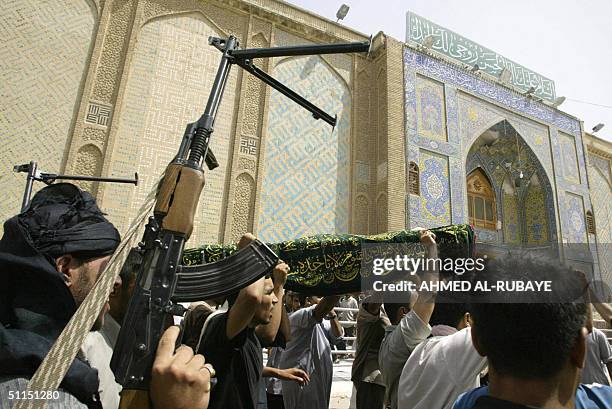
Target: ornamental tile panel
pixel 573 222
pixel 570 163
pixel 511 222
pixel 431 109
pixel 435 189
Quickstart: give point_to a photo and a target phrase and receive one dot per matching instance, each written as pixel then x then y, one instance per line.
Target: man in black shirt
pixel 231 339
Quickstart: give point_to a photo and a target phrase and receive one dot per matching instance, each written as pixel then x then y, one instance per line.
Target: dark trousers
pixel 348 332
pixel 275 401
pixel 370 396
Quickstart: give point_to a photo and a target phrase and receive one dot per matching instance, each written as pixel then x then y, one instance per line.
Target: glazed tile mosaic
pixel 305 162
pixel 435 190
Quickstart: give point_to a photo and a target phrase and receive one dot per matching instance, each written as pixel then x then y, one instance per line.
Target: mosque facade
pixel 424 138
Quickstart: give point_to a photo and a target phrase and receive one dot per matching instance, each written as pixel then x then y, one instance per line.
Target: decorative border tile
pixel 444 71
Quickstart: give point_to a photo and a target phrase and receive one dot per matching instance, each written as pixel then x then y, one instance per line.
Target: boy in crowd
pixel 535 350
pixel 231 341
pixel 274 387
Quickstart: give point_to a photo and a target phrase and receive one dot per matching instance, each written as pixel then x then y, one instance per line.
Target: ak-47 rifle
pixel 162 281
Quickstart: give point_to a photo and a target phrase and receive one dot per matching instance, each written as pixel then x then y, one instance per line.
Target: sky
pixel 568 41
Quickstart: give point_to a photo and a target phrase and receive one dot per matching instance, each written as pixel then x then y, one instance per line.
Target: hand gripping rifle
pixel 162 281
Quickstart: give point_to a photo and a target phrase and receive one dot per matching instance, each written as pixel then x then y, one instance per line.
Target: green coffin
pixel 327 264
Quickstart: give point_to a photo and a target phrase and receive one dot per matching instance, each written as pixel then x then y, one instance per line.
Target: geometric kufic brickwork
pixel 170 76
pixel 248 145
pixel 45 45
pixel 88 163
pixel 361 213
pixel 603 165
pixel 98 114
pixel 381 210
pixel 306 165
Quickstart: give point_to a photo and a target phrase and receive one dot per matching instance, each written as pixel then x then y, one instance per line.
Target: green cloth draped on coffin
pixel 328 264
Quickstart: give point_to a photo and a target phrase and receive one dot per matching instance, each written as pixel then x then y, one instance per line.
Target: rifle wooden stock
pixel 134 399
pixel 178 198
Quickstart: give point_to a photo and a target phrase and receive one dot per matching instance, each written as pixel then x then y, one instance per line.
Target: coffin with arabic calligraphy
pixel 328 264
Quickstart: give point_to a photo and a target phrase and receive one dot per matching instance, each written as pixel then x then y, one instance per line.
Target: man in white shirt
pixel 443 366
pixel 406 332
pixel 309 350
pixel 348 301
pixel 410 327
pixel 598 357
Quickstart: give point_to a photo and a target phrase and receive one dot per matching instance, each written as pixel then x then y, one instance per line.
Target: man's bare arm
pixel 372 307
pixel 285 326
pixel 605 310
pixel 336 328
pixel 425 303
pixel 267 332
pixel 325 306
pixel 290 374
pixel 241 313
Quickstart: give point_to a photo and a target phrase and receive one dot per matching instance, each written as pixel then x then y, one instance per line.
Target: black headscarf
pixel 62 219
pixel 35 303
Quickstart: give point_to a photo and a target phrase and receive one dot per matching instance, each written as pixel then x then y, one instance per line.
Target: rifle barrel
pixel 249 53
pixel 288 92
pixel 51 176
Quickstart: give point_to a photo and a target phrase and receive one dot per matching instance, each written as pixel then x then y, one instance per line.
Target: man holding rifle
pixel 51 256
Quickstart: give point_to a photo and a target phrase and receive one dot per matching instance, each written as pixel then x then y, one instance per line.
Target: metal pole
pixel 32 168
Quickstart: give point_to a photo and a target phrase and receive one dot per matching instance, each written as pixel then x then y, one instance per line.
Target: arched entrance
pixel 510 198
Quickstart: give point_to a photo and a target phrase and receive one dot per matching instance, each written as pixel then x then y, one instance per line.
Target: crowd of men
pixel 429 351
